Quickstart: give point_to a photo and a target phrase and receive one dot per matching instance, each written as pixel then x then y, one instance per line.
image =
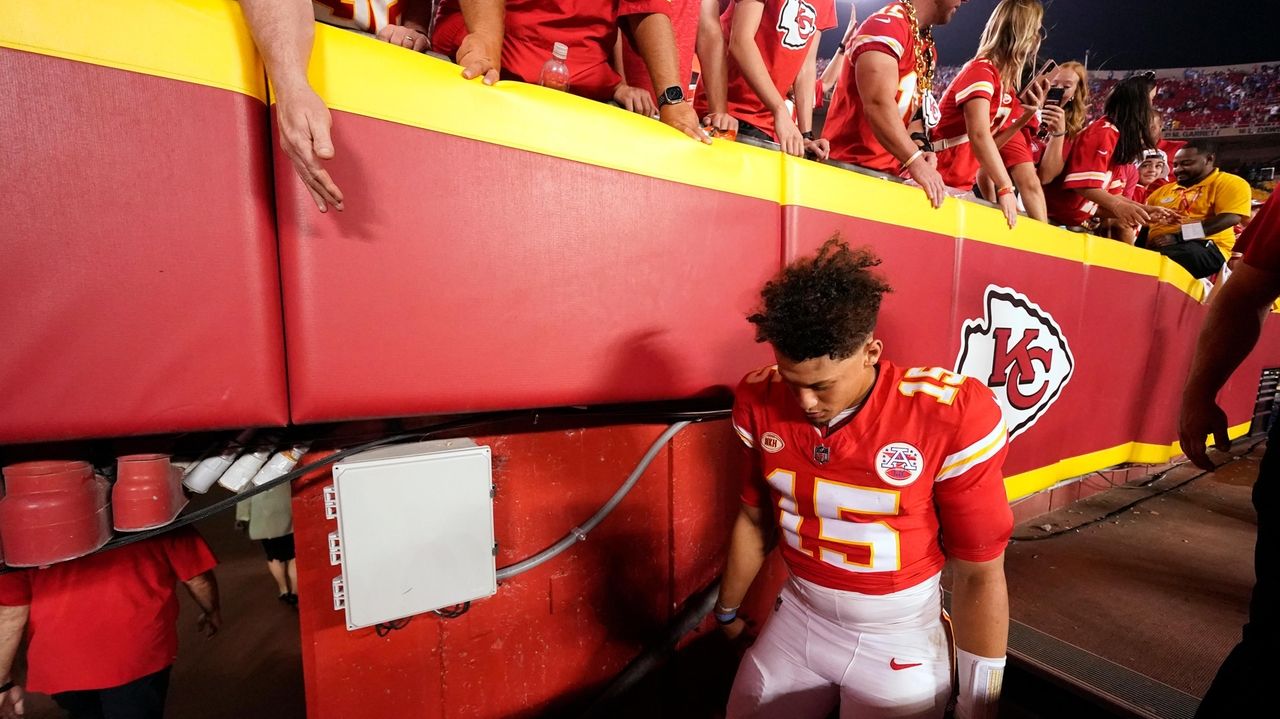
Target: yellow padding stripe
pixel 199 41
pixel 831 189
pixel 357 74
pixel 1027 483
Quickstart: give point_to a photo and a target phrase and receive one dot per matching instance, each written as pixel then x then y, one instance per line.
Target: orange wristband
pixel 1006 190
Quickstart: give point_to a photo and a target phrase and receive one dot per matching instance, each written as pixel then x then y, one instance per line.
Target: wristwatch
pixel 673 95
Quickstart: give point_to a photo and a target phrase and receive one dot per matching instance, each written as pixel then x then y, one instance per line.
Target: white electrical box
pixel 415 530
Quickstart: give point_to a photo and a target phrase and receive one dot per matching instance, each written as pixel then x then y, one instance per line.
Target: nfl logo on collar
pixel 821 454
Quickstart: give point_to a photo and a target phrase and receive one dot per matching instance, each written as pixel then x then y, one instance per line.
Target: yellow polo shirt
pixel 1219 193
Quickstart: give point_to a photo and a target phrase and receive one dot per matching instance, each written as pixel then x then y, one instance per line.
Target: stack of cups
pixel 147 494
pixel 53 511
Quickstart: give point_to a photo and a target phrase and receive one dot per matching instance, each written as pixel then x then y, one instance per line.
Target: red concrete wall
pixel 554 636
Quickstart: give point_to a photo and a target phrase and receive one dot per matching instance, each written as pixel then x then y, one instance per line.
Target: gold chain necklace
pixel 924 48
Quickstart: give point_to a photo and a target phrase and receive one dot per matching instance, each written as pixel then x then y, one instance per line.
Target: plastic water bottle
pixel 555 74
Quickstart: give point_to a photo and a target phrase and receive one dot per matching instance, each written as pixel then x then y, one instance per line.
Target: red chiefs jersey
pixel 847 129
pixel 588 29
pixel 786 29
pixel 1088 166
pixel 977 79
pixel 1260 242
pixel 1026 145
pixel 877 505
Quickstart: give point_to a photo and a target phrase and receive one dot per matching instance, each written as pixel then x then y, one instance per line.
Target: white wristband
pixel 980 680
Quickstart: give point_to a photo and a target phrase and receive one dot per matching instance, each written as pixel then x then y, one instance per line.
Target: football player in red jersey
pixel 875 475
pixel 980 102
pixel 894 60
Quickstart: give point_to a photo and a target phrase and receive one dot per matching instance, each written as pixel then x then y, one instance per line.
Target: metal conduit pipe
pixel 577 534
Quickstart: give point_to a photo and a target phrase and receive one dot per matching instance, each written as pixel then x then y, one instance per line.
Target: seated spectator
pixel 1035 153
pixel 981 100
pixel 283 31
pixel 101 630
pixel 889 96
pixel 589 30
pixel 773 50
pixel 1085 188
pixel 1152 171
pixel 1209 203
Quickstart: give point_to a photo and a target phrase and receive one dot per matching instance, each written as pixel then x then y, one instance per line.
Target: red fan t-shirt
pixel 588 28
pixel 787 27
pixel 109 618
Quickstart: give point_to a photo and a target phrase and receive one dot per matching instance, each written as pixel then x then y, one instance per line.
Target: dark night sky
pixel 1119 34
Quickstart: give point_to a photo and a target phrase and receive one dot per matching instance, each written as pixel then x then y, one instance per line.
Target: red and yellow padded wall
pixel 162 269
pixel 502 247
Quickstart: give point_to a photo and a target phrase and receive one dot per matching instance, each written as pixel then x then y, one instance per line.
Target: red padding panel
pixel 468 276
pixel 139 288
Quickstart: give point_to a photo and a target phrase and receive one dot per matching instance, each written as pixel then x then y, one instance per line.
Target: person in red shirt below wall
pixel 1242 687
pixel 589 30
pixel 1035 155
pixel 890 90
pixel 980 101
pixel 773 49
pixel 873 477
pixel 1085 188
pixel 101 629
pixel 284 30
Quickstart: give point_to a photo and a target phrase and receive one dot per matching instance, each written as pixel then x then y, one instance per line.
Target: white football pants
pixel 877 656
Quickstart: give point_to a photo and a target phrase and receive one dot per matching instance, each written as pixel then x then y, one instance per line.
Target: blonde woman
pixel 981 99
pixel 1060 128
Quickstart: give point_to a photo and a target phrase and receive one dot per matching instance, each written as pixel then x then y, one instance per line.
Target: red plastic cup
pixel 147 493
pixel 53 511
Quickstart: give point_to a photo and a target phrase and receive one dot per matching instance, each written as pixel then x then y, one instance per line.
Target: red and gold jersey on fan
pixel 787 28
pixel 878 504
pixel 366 15
pixel 979 78
pixel 847 128
pixel 1088 167
pixel 588 28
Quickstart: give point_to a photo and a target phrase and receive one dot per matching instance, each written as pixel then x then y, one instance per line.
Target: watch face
pixel 673 94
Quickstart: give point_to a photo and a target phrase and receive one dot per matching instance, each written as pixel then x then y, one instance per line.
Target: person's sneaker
pixel 291 599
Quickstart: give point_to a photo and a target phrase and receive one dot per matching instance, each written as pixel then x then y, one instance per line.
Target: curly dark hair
pixel 822 306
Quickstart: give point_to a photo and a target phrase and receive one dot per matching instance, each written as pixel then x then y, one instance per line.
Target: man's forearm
pixel 980 612
pixel 1217 223
pixel 655 42
pixel 805 84
pixel 745 52
pixel 710 49
pixel 1105 201
pixel 283 31
pixel 13 623
pixel 746 555
pixel 1231 329
pixel 203 589
pixel 484 17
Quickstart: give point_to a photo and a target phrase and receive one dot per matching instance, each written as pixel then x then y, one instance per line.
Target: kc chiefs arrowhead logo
pixel 797 21
pixel 1020 352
